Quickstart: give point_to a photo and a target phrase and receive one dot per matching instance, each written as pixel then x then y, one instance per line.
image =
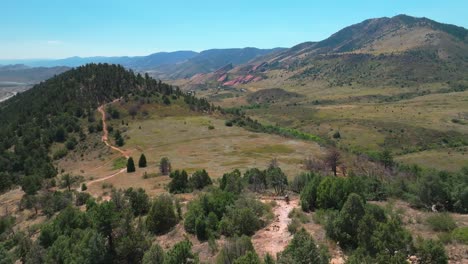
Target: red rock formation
pixel 222 78
pixel 233 82
pixel 248 78
pixel 256 67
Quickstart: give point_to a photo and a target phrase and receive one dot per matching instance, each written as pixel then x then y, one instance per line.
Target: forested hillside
pixel 54 111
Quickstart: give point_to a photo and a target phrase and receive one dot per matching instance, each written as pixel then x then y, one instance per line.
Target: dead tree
pixel 333 159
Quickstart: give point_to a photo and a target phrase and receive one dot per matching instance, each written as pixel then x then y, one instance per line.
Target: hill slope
pixel 208 61
pixel 401 50
pixel 397 83
pixel 61 111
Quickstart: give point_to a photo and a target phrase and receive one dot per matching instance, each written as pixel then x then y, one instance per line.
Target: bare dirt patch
pixel 275 237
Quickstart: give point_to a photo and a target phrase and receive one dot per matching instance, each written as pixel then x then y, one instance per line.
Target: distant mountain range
pixel 21 73
pixel 397 51
pixel 178 64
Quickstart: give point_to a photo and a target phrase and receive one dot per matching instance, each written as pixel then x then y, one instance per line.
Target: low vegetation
pixel 121 226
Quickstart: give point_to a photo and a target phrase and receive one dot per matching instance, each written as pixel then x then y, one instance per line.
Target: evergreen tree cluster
pixel 182 183
pixel 54 111
pixel 106 232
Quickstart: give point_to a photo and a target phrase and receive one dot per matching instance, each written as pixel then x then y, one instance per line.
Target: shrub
pixel 119 140
pixel 211 207
pixel 71 143
pixel 277 179
pixel 234 249
pixel 166 100
pixel 107 185
pixel 268 259
pixel 432 189
pixel 331 193
pixel 256 179
pixel 309 194
pixel 139 201
pixel 460 234
pixel 6 223
pixel 200 179
pixel 155 255
pixel 301 216
pixel 232 182
pixel 82 198
pixel 293 226
pixel 244 217
pixel 161 217
pixel 441 222
pixel 60 153
pixel 391 237
pixel 239 221
pixel 431 252
pixel 344 228
pixel 5 256
pixel 212 245
pixel 337 135
pixel 249 258
pixel 181 253
pixel 179 182
pixel 302 249
pixel 300 181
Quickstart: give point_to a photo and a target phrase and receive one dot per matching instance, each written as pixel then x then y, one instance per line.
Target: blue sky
pixel 64 28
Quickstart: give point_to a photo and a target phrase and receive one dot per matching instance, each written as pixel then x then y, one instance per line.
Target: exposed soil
pixel 105 136
pixel 275 237
pixel 105 139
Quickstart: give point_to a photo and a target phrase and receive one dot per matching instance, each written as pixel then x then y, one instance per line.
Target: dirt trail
pixel 275 237
pixel 105 135
pixel 105 139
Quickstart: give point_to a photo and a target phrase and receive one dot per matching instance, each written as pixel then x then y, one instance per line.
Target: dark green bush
pixel 431 252
pixel 302 249
pixel 162 216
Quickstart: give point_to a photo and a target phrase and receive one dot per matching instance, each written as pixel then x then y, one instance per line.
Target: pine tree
pixel 142 161
pixel 179 182
pixel 130 165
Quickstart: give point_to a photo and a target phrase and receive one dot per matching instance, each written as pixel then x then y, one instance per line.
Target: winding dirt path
pixel 105 139
pixel 275 237
pixel 105 135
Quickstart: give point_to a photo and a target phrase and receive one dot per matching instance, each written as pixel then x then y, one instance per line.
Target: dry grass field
pixel 415 123
pixel 191 141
